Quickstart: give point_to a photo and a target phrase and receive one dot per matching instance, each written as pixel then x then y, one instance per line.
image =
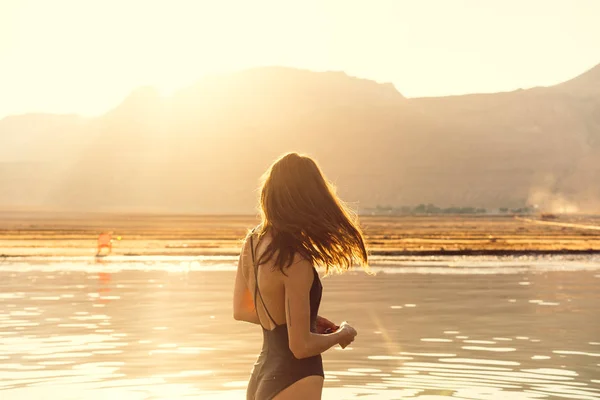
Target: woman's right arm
pixel 243 303
pixel 303 342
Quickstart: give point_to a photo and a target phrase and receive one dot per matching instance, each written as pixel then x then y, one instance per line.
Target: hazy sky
pixel 84 56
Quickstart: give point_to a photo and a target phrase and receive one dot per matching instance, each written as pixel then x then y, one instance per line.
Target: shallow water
pixel 147 327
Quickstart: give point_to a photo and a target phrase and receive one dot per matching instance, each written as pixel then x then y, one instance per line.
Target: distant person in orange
pixel 104 241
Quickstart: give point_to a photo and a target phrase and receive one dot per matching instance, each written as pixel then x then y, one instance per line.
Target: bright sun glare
pixel 74 56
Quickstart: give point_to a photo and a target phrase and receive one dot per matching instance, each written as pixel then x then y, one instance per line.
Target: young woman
pixel 304 225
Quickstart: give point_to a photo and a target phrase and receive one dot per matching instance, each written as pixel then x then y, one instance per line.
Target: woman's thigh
pixel 309 388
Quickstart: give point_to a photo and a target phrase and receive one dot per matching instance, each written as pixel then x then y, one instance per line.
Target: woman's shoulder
pixel 300 264
pixel 254 232
pixel 301 259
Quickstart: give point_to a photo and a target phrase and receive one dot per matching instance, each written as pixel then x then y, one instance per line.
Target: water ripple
pixel 161 328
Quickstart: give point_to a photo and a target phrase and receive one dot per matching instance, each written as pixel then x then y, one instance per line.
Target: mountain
pixel 542 144
pixel 203 149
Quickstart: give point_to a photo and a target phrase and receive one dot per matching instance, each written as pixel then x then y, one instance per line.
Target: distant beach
pixel 55 234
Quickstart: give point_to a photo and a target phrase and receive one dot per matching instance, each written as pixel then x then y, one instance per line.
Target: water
pixel 149 327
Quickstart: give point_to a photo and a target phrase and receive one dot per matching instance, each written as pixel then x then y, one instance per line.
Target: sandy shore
pixel 53 234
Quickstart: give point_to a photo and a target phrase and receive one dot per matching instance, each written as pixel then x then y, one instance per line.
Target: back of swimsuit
pixel 276 367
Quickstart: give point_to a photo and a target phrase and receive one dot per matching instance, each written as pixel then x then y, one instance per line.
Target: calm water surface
pixel 438 328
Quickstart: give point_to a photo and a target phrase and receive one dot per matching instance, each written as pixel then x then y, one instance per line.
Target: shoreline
pixel 390 253
pixel 424 236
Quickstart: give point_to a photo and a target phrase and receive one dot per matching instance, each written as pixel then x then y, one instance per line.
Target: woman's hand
pixel 347 334
pixel 325 326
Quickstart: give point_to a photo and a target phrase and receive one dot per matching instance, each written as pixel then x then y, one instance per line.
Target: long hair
pixel 301 211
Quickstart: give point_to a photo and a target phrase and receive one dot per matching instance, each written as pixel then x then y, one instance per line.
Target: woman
pixel 304 225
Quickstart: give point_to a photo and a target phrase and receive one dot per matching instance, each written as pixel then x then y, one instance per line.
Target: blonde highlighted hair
pixel 302 213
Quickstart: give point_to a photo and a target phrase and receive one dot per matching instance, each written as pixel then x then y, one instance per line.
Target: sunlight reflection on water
pixel 161 328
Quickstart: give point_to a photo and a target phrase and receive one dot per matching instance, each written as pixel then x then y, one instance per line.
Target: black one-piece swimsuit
pixel 276 367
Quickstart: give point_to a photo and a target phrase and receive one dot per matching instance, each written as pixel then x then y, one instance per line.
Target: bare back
pixel 270 281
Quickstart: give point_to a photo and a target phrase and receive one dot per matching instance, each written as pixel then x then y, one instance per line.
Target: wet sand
pixel 52 234
pixel 429 328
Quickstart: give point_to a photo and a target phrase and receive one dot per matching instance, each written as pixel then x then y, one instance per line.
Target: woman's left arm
pixel 243 304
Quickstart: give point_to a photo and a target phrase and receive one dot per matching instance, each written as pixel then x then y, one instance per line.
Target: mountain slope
pixel 203 149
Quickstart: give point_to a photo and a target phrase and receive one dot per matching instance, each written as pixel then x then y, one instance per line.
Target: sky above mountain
pixel 68 56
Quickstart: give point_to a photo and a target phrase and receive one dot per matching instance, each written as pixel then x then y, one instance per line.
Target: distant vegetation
pixel 427 209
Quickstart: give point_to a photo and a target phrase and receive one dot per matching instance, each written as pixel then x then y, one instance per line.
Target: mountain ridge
pixel 203 148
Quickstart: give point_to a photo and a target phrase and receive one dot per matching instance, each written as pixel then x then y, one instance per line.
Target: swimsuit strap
pixel 256 289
